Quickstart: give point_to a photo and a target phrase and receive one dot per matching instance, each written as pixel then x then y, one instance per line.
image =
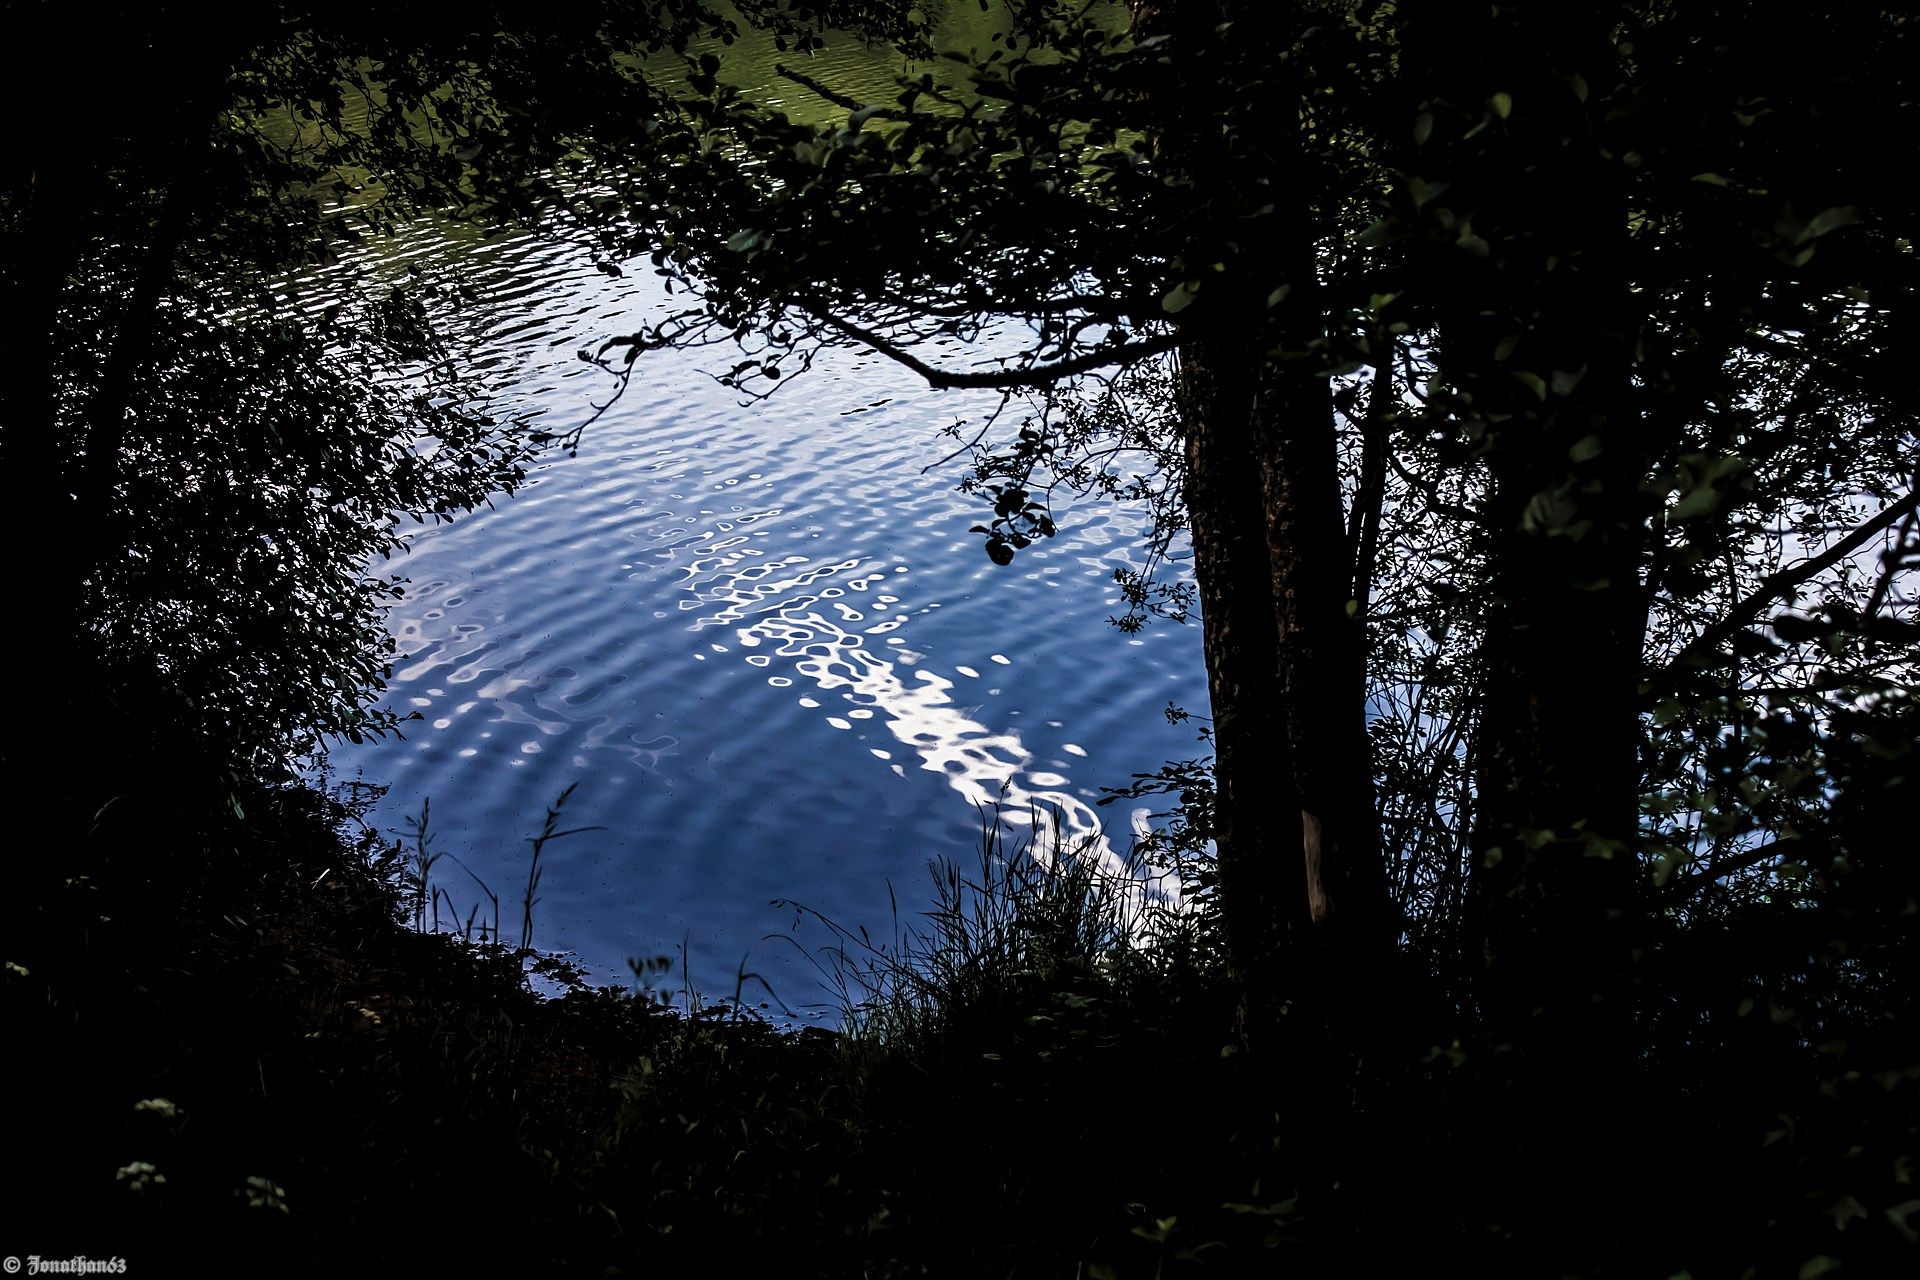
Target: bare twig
pixel 1703 648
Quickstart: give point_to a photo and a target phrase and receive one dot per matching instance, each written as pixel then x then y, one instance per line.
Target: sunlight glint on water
pixel 762 641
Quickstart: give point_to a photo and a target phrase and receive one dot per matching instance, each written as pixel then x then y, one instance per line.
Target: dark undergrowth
pixel 240 1045
pixel 234 1053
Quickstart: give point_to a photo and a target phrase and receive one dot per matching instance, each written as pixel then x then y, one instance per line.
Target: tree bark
pixel 34 459
pixel 1257 833
pixel 1302 892
pixel 1538 334
pixel 1321 640
pixel 1542 351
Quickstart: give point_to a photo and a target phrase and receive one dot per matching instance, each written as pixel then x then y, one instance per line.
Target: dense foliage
pixel 1527 383
pixel 226 408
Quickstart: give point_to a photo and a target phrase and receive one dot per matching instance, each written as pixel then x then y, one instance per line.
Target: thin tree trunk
pixel 1369 498
pixel 1302 891
pixel 1320 640
pixel 1257 832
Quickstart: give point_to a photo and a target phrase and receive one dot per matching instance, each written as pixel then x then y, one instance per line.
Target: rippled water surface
pixel 760 639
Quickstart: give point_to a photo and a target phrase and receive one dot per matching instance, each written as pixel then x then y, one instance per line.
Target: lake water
pixel 758 637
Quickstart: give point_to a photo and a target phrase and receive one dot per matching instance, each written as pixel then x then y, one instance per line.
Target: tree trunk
pixel 1537 341
pixel 1542 353
pixel 1257 832
pixel 1302 892
pixel 34 459
pixel 1321 641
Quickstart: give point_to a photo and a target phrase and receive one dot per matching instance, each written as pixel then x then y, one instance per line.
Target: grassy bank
pixel 237 1043
pixel 230 1050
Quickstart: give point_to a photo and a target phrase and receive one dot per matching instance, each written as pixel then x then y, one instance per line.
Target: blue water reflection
pixel 760 638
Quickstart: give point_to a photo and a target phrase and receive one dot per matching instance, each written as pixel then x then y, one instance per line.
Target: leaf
pixel 1702 496
pixel 1532 381
pixel 1828 220
pixel 1817 1266
pixel 1553 512
pixel 1278 1210
pixel 1180 297
pixel 1898 1215
pixel 1501 104
pixel 1845 1210
pixel 1425 193
pixel 1378 234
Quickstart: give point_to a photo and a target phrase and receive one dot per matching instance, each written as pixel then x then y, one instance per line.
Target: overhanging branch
pixel 1011 379
pixel 840 99
pixel 1714 872
pixel 1703 648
